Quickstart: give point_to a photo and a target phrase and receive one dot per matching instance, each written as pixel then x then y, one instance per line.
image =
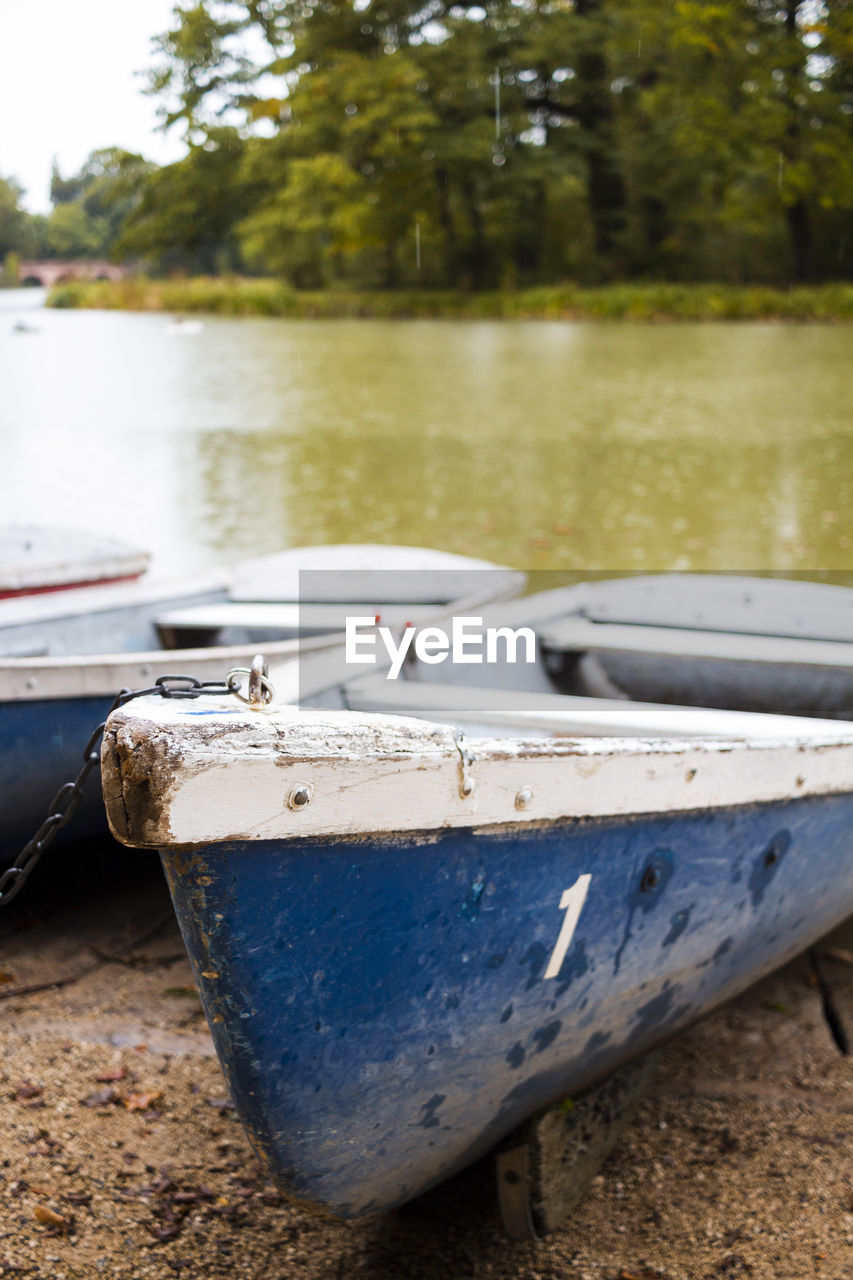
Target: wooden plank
pixel 725 602
pixel 579 635
pixel 570 716
pixel 289 617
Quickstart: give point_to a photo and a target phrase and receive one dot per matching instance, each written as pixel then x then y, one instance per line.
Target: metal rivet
pixel 522 800
pixel 300 796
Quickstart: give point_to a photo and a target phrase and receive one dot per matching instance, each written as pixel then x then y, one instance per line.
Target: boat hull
pixel 43 746
pixel 387 1009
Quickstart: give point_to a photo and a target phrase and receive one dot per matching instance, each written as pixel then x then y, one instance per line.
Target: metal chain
pixel 67 799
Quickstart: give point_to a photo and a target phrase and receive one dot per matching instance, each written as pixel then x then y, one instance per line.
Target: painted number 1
pixel 572 903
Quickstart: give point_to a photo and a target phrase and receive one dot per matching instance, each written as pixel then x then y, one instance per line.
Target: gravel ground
pixel 121 1156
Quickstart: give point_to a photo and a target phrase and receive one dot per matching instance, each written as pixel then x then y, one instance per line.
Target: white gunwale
pixel 580 635
pixel 31 679
pixel 376 774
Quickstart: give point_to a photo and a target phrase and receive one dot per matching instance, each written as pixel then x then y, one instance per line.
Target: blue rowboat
pixel 413 932
pixel 65 655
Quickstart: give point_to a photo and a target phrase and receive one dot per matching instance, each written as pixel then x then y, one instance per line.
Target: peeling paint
pixel 767 864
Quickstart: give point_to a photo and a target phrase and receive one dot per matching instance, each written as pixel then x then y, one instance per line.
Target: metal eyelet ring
pixel 262 681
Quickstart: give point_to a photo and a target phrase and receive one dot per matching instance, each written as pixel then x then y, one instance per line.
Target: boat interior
pixel 619 656
pixel 275 598
pixel 670 655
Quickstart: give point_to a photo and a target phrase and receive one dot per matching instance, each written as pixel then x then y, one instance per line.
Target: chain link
pixel 67 799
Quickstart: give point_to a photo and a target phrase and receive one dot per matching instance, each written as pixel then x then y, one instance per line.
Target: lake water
pixel 547 445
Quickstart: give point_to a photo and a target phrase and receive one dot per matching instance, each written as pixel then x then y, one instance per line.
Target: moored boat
pixel 418 921
pixel 39 558
pixel 65 656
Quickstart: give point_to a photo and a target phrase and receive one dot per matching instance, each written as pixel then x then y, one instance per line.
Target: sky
pixel 68 86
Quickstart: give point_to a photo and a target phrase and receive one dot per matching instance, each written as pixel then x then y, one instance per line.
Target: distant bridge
pixel 56 271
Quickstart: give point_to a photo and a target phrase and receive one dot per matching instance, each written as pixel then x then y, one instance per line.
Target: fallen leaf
pixel 775 1006
pixel 142 1101
pixel 47 1216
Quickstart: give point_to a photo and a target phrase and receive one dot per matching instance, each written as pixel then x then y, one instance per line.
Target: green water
pixel 579 447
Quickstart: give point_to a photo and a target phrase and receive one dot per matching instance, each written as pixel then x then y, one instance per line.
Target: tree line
pixel 386 143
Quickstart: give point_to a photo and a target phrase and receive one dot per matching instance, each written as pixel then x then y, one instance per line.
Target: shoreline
pixel 636 303
pixel 125 1159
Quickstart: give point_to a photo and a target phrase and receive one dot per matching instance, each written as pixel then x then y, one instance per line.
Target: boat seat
pixel 563 715
pixel 204 620
pixel 580 635
pixel 201 624
pixel 24 649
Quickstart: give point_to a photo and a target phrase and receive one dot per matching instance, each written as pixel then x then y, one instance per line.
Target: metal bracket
pixel 544 1168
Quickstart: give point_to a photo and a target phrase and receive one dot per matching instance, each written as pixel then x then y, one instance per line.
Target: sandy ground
pixel 120 1155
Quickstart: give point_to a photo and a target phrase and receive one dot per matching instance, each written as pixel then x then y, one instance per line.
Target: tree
pixel 743 130
pixel 91 206
pixel 513 139
pixel 17 227
pixel 186 213
pixel 350 181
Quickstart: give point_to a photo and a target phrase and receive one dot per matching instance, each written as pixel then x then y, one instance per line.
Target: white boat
pixel 43 558
pixel 65 656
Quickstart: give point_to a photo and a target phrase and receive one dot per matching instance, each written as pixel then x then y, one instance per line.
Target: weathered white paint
pixel 211 775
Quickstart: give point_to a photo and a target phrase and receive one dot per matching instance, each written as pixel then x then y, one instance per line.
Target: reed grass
pixel 240 296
